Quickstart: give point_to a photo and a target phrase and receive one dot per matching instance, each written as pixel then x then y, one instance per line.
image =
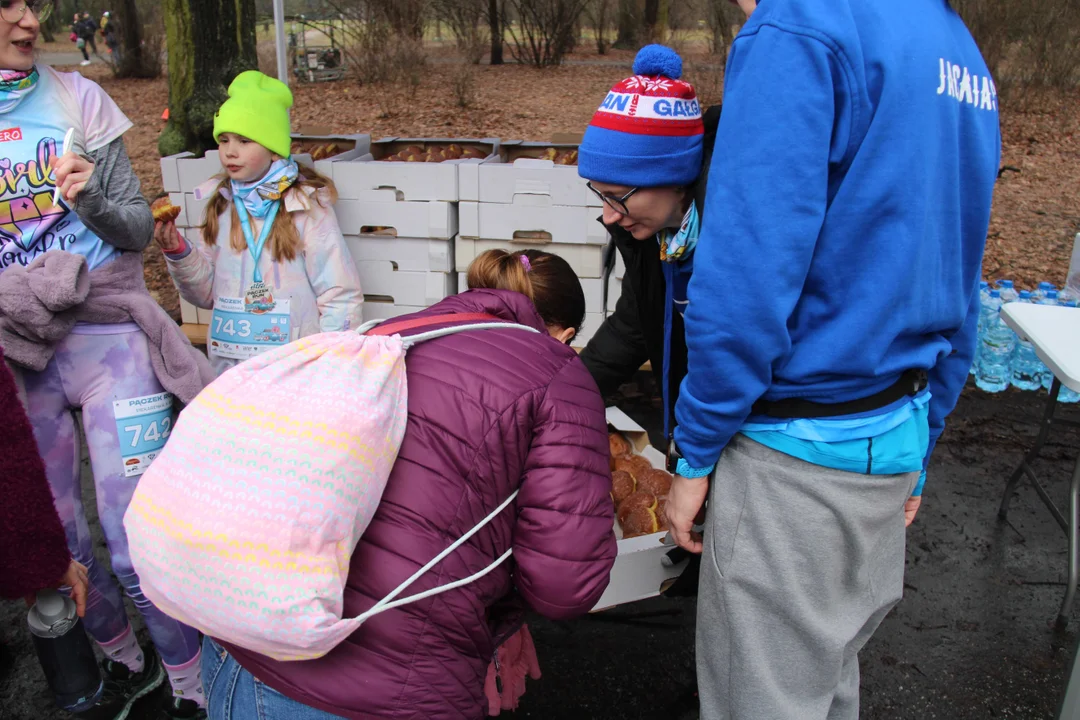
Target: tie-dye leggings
pixel 91 371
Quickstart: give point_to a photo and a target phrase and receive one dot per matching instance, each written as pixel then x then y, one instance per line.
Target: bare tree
pixel 545 31
pixel 495 29
pixel 466 20
pixel 599 14
pixel 629 21
pixel 720 20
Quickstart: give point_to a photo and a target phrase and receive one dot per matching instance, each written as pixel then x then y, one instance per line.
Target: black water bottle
pixel 64 652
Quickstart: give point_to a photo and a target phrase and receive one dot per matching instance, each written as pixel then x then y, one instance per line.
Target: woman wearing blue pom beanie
pixel 644 154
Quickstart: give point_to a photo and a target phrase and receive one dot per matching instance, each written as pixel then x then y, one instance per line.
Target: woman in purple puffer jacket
pixel 490 412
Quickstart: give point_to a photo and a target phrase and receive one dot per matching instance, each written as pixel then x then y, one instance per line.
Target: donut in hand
pixel 164 211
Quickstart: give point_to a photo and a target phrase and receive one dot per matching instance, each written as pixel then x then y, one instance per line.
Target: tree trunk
pixel 212 41
pixel 495 25
pixel 656 20
pixel 629 37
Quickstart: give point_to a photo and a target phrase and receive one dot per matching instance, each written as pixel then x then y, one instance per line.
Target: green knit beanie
pixel 257 108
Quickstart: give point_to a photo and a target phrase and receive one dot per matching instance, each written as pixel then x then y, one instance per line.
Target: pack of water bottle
pixel 1001 358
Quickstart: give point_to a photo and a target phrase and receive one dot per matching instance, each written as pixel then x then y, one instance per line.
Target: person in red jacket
pixel 33 551
pixel 490 412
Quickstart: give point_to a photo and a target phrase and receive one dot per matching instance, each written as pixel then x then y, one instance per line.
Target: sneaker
pixel 124 690
pixel 176 708
pixel 84 63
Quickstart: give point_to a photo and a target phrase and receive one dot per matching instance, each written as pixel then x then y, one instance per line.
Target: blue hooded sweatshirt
pixel 844 230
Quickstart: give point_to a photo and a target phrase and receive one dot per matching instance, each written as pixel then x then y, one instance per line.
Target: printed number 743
pixel 233 327
pixel 153 432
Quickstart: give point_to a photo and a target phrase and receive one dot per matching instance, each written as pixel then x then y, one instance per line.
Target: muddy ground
pixel 971 640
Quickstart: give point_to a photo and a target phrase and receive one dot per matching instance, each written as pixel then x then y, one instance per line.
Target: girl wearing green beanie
pixel 270 261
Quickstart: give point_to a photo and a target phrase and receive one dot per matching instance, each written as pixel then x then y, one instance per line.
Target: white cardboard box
pixel 639 572
pixel 413 182
pixel 379 308
pixel 401 287
pixel 420 254
pixel 529 215
pixel 185 172
pixel 377 209
pixel 501 182
pixel 586 260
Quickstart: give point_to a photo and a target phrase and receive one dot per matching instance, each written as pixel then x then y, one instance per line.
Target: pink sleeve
pixel 103 121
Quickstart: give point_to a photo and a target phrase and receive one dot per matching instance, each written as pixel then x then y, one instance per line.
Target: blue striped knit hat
pixel 648 131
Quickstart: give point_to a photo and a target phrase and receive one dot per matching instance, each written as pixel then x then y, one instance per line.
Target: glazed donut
pixel 636 500
pixel 618 444
pixel 658 482
pixel 164 211
pixel 640 521
pixel 633 464
pixel 622 485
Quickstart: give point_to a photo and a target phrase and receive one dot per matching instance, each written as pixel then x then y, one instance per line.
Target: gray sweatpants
pixel 801 564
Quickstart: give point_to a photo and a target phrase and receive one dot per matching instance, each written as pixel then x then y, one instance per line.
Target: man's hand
pixel 76 578
pixel 911 506
pixel 72 172
pixel 685 503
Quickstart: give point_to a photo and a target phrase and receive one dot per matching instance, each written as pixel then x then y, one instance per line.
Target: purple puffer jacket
pixel 489 412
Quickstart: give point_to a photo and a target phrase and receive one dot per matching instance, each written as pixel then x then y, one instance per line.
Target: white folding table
pixel 1055 334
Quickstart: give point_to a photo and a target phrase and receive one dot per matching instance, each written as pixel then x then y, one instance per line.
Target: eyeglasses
pixel 616 204
pixel 12 11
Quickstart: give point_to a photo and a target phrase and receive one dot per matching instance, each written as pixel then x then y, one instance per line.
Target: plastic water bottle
pixel 1067 298
pixel 71 670
pixel 984 296
pixel 1008 292
pixel 1041 291
pixel 992 372
pixel 1050 297
pixel 1027 368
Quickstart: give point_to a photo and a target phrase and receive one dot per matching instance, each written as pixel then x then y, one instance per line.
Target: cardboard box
pixel 194 171
pixel 586 260
pixel 350 147
pixel 376 211
pixel 523 173
pixel 401 287
pixel 411 254
pixel 170 172
pixel 185 172
pixel 532 218
pixel 639 572
pixel 193 315
pixel 412 181
pixel 377 307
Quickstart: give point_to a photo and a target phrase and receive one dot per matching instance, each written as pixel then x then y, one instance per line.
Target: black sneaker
pixel 176 708
pixel 125 690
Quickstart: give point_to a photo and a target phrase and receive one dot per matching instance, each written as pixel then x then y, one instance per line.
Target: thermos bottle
pixel 64 651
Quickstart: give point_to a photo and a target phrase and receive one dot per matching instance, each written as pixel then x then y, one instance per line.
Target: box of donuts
pixel 639 488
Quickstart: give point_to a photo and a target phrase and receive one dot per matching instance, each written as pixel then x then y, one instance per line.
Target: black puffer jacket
pixel 634 333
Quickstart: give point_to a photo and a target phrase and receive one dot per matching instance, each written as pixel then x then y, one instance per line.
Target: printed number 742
pixel 153 432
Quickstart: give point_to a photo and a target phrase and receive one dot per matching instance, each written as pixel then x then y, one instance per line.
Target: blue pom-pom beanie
pixel 648 131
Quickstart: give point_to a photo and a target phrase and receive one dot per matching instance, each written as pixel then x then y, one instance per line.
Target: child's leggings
pixel 91 371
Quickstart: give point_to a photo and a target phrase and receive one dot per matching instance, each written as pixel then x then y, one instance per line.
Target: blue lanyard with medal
pixel 257 289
